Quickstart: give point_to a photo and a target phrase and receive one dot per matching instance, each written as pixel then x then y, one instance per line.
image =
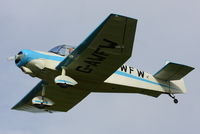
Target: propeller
pixel 17 57
pixel 11 58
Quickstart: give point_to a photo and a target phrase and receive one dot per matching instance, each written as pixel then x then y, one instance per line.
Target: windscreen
pixel 62 50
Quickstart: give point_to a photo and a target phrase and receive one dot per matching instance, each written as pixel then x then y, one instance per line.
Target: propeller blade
pixel 11 58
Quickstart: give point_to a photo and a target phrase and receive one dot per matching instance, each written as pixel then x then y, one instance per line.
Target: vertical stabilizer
pixel 174 73
pixel 177 86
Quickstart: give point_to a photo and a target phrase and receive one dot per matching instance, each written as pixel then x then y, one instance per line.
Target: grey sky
pixel 167 30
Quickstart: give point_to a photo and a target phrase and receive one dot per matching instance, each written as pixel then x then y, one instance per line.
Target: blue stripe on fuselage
pixel 141 79
pixel 30 55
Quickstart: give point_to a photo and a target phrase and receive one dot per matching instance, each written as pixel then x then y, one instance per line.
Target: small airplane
pixel 68 75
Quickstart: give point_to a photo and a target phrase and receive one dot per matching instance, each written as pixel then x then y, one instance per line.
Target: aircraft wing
pixel 104 51
pixel 64 98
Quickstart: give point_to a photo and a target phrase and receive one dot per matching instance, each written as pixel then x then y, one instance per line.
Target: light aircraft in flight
pixel 68 75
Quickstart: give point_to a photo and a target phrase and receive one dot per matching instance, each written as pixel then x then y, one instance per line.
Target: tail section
pixel 177 87
pixel 174 73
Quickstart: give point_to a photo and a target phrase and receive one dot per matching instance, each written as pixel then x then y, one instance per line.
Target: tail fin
pixel 174 73
pixel 177 86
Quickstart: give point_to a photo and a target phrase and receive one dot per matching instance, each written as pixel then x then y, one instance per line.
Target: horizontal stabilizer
pixel 173 71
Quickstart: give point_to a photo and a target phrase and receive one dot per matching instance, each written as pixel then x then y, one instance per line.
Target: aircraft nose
pixel 19 57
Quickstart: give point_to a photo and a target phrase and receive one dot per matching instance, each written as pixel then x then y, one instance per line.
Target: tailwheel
pixel 175 101
pixel 174 98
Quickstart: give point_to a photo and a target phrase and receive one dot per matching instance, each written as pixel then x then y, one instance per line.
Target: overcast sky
pixel 167 30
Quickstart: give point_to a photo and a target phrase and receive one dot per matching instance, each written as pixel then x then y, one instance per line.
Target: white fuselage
pixel 125 80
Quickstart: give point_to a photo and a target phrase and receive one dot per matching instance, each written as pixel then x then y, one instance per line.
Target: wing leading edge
pixel 63 98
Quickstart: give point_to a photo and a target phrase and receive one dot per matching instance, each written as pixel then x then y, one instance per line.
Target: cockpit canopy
pixel 62 50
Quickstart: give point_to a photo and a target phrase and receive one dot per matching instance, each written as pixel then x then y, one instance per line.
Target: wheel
pixel 40 106
pixel 175 101
pixel 63 85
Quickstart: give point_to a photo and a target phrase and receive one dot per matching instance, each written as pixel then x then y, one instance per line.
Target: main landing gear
pixel 42 102
pixel 173 97
pixel 65 81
